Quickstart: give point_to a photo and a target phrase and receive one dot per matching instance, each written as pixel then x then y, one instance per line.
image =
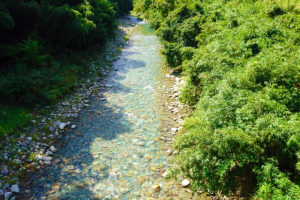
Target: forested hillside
pixel 42 44
pixel 241 60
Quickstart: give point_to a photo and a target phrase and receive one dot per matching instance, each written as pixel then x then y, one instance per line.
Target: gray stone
pixel 17 161
pixel 53 149
pixel 47 162
pixel 51 128
pixel 47 158
pixel 4 171
pixel 57 123
pixel 7 195
pixel 15 188
pixel 73 126
pixel 65 103
pixel 62 125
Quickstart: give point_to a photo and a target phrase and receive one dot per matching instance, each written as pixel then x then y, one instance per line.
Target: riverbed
pixel 116 151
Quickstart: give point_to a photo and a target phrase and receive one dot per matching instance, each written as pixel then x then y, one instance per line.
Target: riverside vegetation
pixel 44 50
pixel 241 60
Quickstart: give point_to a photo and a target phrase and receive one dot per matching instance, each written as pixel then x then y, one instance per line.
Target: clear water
pixel 115 152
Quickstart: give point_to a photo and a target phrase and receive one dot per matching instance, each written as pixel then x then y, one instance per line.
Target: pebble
pixel 174 129
pixel 185 183
pixel 7 195
pixel 73 126
pixel 65 103
pixel 15 188
pixel 169 151
pixel 47 158
pixel 165 174
pixel 4 171
pixel 53 149
pixel 62 125
pixel 47 162
pixel 57 123
pixel 17 161
pixel 156 187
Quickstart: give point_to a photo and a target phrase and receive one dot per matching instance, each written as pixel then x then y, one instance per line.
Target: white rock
pixel 169 151
pixel 15 188
pixel 47 158
pixel 174 130
pixel 62 125
pixel 73 126
pixel 47 162
pixel 52 148
pixel 185 183
pixel 7 195
pixel 165 174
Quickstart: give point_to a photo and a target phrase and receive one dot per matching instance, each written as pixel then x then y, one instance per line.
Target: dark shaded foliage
pixel 36 37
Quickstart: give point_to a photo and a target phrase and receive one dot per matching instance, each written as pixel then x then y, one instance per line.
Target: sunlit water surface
pixel 114 153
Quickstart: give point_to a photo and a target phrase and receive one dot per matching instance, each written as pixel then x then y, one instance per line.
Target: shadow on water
pixel 78 164
pixel 102 121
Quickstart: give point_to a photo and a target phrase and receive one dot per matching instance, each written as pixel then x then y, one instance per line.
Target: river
pixel 116 151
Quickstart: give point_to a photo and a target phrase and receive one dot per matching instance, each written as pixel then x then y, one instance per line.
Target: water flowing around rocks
pixel 115 152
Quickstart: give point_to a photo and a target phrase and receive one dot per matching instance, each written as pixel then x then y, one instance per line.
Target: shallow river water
pixel 115 153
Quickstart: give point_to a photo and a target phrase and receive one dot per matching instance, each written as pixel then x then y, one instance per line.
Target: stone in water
pixel 185 183
pixel 15 188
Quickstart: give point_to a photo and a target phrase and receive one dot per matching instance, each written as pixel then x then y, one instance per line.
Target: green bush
pixel 41 41
pixel 12 118
pixel 242 63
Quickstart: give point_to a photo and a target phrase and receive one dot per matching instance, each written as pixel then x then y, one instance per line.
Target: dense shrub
pixel 40 42
pixel 242 67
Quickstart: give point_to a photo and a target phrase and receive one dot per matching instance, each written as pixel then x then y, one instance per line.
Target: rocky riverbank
pixel 33 149
pixel 121 143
